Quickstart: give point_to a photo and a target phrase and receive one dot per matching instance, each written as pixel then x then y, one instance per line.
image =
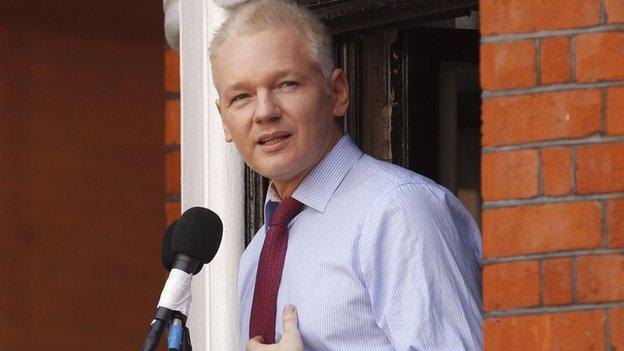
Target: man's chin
pixel 279 173
pixel 275 176
pixel 276 170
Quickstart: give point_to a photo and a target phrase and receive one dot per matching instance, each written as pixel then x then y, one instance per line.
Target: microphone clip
pixel 179 338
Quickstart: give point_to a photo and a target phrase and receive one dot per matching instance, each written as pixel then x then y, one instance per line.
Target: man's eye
pixel 288 84
pixel 239 97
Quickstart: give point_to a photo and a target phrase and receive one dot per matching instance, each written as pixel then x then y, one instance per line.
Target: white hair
pixel 259 15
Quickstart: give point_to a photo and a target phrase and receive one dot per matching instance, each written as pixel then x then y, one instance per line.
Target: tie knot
pixel 286 211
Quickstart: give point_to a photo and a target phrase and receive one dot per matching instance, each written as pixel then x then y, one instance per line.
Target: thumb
pixel 256 344
pixel 290 320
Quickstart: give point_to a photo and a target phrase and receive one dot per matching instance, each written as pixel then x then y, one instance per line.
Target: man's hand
pixel 291 339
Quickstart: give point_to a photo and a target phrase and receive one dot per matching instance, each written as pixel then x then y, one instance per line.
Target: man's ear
pixel 226 132
pixel 340 92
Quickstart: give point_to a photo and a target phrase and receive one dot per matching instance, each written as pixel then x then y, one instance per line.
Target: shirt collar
pixel 320 184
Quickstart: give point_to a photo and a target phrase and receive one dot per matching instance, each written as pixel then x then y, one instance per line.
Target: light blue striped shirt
pixel 380 258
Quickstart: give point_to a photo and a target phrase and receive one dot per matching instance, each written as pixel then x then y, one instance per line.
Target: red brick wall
pixel 172 134
pixel 552 73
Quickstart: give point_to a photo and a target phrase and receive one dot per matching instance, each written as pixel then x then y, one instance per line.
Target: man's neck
pixel 285 188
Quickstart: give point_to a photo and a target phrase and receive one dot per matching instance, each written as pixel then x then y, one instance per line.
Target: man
pixel 373 256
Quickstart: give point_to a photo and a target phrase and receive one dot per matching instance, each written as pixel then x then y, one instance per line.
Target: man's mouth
pixel 274 141
pixel 273 138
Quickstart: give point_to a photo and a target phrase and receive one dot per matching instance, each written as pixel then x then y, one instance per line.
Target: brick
pixel 615 111
pixel 509 175
pixel 600 168
pixel 511 285
pixel 508 65
pixel 572 331
pixel 555 60
pixel 617 329
pixel 172 122
pixel 173 211
pixel 522 16
pixel 172 71
pixel 539 117
pixel 599 56
pixel 172 175
pixel 541 228
pixel 557 171
pixel 615 11
pixel 615 223
pixel 600 278
pixel 557 281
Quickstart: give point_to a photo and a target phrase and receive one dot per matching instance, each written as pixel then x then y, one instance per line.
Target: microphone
pixel 178 338
pixel 194 240
pixel 167 256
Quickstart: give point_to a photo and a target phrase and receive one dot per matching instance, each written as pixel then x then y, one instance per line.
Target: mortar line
pixel 172 148
pixel 555 309
pixel 584 141
pixel 552 88
pixel 555 254
pixel 172 198
pixel 550 33
pixel 543 200
pixel 172 95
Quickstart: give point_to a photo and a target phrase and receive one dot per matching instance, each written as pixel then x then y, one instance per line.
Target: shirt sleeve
pixel 419 258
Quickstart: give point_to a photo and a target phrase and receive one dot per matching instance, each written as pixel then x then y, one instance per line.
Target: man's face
pixel 275 103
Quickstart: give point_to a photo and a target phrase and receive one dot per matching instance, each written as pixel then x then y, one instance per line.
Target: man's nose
pixel 266 108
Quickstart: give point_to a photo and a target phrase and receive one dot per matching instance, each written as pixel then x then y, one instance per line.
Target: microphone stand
pixel 179 338
pixel 186 340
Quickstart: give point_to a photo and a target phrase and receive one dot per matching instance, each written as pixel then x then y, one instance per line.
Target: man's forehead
pixel 249 74
pixel 275 39
pixel 269 54
pixel 279 41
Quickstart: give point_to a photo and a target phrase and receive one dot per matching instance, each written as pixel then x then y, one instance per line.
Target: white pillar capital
pixel 172 23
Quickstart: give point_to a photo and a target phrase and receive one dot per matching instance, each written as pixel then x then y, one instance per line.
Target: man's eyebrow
pixel 284 73
pixel 236 86
pixel 276 76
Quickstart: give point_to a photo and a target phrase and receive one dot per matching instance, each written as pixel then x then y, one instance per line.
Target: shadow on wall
pixel 81 173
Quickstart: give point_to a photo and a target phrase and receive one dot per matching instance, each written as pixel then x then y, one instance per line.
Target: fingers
pixel 256 344
pixel 291 339
pixel 289 319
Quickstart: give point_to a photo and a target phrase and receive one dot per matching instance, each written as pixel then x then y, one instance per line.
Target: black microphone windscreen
pixel 167 256
pixel 197 234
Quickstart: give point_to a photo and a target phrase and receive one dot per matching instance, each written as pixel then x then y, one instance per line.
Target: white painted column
pixel 213 177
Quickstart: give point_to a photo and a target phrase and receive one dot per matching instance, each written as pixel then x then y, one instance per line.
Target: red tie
pixel 269 273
